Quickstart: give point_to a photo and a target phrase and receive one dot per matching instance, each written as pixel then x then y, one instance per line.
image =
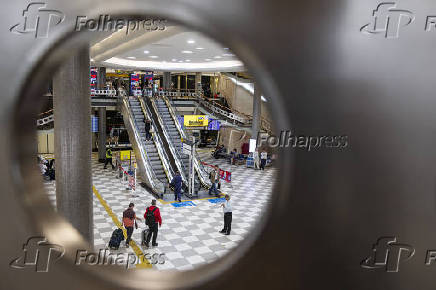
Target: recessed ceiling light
pixel 187 60
pixel 191 41
pixel 153 56
pixel 186 51
pixel 92 59
pixel 226 48
pixel 218 56
pixel 146 51
pixel 228 54
pixel 199 48
pixel 131 57
pixel 207 59
pixel 174 59
pixel 180 60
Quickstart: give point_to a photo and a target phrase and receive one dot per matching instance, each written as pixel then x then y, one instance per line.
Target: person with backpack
pixel 177 184
pixel 109 158
pixel 129 220
pixel 153 220
pixel 215 180
pixel 147 129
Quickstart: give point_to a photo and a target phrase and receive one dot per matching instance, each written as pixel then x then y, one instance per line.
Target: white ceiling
pixel 176 51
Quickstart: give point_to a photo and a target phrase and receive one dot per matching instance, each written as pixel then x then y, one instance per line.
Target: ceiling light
pixel 226 48
pixel 131 57
pixel 180 60
pixel 187 60
pixel 153 56
pixel 92 59
pixel 146 51
pixel 207 59
pixel 228 54
pixel 191 41
pixel 217 56
pixel 186 51
pixel 199 48
pixel 174 59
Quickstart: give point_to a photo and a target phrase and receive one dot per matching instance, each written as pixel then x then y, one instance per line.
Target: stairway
pixel 172 131
pixel 149 146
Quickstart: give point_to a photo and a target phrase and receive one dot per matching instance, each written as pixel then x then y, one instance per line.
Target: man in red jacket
pixel 152 220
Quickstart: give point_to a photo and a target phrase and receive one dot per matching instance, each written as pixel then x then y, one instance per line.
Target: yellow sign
pixel 195 121
pixel 125 155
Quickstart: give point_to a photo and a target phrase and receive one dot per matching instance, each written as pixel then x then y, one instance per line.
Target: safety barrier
pixel 103 92
pixel 224 175
pixel 129 179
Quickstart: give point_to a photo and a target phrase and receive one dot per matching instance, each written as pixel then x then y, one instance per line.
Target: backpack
pixel 150 219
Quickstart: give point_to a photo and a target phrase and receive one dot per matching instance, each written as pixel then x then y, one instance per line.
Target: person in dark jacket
pixel 147 129
pixel 153 227
pixel 177 184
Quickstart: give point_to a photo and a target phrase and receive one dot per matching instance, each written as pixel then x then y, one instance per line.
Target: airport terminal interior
pixel 169 116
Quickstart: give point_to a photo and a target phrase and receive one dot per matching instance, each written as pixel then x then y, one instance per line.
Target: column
pixel 197 81
pixel 72 112
pixel 166 80
pixel 178 83
pixel 257 104
pixel 102 134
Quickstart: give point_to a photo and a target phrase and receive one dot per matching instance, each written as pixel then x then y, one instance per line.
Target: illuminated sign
pixel 195 121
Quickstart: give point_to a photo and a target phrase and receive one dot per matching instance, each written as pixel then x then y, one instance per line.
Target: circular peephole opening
pixel 153 121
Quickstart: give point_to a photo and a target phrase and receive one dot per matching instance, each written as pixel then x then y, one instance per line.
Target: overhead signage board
pixel 195 120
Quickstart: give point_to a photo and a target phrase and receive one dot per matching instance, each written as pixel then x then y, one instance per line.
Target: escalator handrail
pixel 172 148
pixel 148 168
pixel 157 142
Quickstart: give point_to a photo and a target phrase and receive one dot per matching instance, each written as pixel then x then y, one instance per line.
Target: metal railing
pixel 155 183
pixel 157 142
pixel 174 150
pixel 198 166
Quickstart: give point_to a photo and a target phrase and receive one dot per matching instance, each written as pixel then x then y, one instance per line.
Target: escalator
pixel 175 133
pixel 152 160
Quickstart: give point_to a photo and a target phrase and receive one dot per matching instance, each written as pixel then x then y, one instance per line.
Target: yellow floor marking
pixel 144 263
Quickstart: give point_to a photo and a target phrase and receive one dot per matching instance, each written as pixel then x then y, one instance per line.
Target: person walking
pixel 227 210
pixel 256 159
pixel 215 180
pixel 263 157
pixel 154 221
pixel 109 158
pixel 129 220
pixel 177 184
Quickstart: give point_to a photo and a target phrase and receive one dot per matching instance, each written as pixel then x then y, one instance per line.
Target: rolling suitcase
pixel 116 238
pixel 144 234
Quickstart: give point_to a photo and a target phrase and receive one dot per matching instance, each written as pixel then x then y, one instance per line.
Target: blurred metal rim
pixel 35 210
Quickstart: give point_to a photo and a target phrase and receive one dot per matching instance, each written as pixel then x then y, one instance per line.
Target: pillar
pixel 178 83
pixel 72 129
pixel 102 134
pixel 166 80
pixel 197 81
pixel 101 81
pixel 257 104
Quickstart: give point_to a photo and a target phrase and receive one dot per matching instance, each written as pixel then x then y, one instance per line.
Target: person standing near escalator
pixel 147 129
pixel 177 184
pixel 109 158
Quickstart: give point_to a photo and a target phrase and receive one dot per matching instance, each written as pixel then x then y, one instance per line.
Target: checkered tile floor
pixel 189 235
